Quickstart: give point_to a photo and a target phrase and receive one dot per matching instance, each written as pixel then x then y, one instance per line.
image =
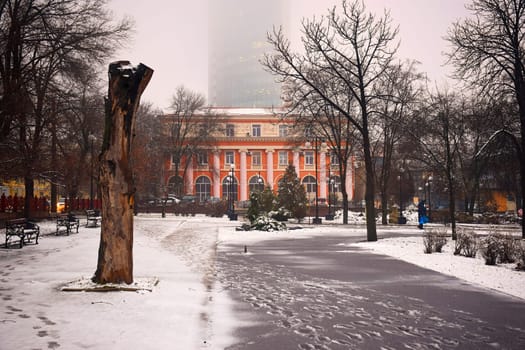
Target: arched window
pixel 309 184
pixel 334 184
pixel 229 188
pixel 176 186
pixel 203 188
pixel 256 184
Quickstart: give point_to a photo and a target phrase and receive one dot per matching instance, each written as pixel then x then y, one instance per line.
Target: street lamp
pixel 331 183
pixel 260 182
pixel 91 138
pixel 233 216
pixel 401 220
pixel 317 219
pixel 428 185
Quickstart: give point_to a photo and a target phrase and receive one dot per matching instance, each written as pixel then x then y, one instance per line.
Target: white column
pixel 189 178
pixel 349 181
pixel 269 167
pixel 296 162
pixel 216 174
pixel 243 175
pixel 322 174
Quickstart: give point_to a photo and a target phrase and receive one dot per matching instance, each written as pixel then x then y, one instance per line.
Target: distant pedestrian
pixel 421 214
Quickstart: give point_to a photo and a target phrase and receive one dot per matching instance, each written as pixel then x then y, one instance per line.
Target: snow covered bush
pixel 467 243
pixel 520 252
pixel 281 214
pixel 434 240
pixel 508 249
pixel 491 247
pixel 504 249
pixel 266 223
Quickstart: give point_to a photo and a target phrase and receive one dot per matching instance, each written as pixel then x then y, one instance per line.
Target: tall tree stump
pixel 115 254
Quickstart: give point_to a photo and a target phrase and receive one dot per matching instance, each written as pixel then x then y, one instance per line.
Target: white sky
pixel 171 37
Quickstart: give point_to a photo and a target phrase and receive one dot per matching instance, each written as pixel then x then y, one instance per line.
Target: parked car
pixel 188 199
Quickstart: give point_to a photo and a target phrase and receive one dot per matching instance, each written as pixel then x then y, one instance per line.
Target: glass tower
pixel 237 41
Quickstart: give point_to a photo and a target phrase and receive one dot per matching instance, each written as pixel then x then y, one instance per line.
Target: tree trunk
pixel 371 230
pixel 115 255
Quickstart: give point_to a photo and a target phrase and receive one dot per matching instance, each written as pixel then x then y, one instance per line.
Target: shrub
pixel 434 240
pixel 491 247
pixel 428 242
pixel 266 223
pixel 282 214
pixel 508 249
pixel 520 252
pixel 466 244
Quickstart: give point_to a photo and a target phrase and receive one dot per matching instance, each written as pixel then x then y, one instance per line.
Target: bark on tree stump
pixel 117 189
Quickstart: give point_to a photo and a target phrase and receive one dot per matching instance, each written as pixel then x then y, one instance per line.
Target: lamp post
pixel 317 219
pixel 233 216
pixel 428 185
pixel 260 183
pixel 91 138
pixel 401 220
pixel 331 195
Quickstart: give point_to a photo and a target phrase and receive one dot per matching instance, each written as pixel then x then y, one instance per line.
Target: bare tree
pixel 399 87
pixel 41 43
pixel 147 142
pixel 314 117
pixel 441 129
pixel 345 53
pixel 488 51
pixel 190 128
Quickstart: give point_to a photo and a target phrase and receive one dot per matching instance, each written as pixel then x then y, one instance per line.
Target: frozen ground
pixel 187 309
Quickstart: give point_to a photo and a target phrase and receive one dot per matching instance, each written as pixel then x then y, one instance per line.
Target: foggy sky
pixel 171 37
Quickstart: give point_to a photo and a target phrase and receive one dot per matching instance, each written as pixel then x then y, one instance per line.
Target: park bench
pixel 24 229
pixel 92 218
pixel 66 223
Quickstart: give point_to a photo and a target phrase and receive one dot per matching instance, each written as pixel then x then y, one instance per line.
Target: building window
pixel 283 130
pixel 256 159
pixel 203 188
pixel 283 158
pixel 256 130
pixel 229 188
pixel 334 184
pixel 334 159
pixel 309 184
pixel 256 184
pixel 309 158
pixel 202 158
pixel 175 160
pixel 229 158
pixel 230 130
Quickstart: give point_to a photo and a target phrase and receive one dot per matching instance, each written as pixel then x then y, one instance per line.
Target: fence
pixel 15 204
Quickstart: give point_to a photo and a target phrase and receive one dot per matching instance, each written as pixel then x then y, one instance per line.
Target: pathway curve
pixel 309 294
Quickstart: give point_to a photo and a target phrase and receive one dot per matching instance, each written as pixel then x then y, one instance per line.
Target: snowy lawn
pixel 503 278
pixel 36 314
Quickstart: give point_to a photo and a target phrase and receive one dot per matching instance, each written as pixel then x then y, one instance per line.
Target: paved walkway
pixel 314 294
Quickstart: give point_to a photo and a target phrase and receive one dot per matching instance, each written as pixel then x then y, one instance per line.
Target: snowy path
pixel 308 294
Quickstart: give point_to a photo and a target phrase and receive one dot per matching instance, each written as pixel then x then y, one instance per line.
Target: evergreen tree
pixel 255 209
pixel 292 195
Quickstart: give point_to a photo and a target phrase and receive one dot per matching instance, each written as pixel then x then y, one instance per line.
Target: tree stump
pixel 115 254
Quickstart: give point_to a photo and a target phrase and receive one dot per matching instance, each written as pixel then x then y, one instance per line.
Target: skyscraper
pixel 237 41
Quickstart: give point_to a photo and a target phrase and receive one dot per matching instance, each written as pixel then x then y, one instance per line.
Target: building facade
pixel 254 148
pixel 237 41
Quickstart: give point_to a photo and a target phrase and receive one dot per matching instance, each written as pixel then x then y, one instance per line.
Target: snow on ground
pixel 503 278
pixel 34 313
pixel 187 309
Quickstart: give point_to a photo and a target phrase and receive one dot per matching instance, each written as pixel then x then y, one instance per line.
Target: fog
pixel 171 36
